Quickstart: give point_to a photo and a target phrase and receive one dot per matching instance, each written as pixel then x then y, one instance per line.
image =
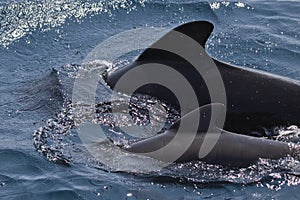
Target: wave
pixel 43 95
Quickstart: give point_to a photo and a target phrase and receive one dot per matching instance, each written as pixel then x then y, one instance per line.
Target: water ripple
pixel 18 19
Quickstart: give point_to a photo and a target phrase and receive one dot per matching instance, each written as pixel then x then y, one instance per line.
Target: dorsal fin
pixel 190 120
pixel 206 117
pixel 197 30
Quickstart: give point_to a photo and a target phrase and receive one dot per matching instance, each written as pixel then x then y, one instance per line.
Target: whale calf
pixel 231 149
pixel 255 100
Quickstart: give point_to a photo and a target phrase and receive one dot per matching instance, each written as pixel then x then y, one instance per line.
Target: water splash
pixel 285 169
pixel 217 5
pixel 53 138
pixel 287 134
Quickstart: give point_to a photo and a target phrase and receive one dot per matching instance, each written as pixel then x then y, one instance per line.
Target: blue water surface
pixel 43 44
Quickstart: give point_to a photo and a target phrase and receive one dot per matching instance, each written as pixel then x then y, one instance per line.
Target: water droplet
pixel 129 194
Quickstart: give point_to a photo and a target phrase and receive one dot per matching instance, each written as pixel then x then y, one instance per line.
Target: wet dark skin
pixel 255 100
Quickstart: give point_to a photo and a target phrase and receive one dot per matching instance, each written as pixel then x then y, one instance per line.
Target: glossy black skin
pixel 230 149
pixel 256 101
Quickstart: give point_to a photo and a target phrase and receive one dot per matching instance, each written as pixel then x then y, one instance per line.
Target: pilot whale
pixel 231 149
pixel 255 100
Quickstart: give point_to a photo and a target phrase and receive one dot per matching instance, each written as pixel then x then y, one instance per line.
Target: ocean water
pixel 44 45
